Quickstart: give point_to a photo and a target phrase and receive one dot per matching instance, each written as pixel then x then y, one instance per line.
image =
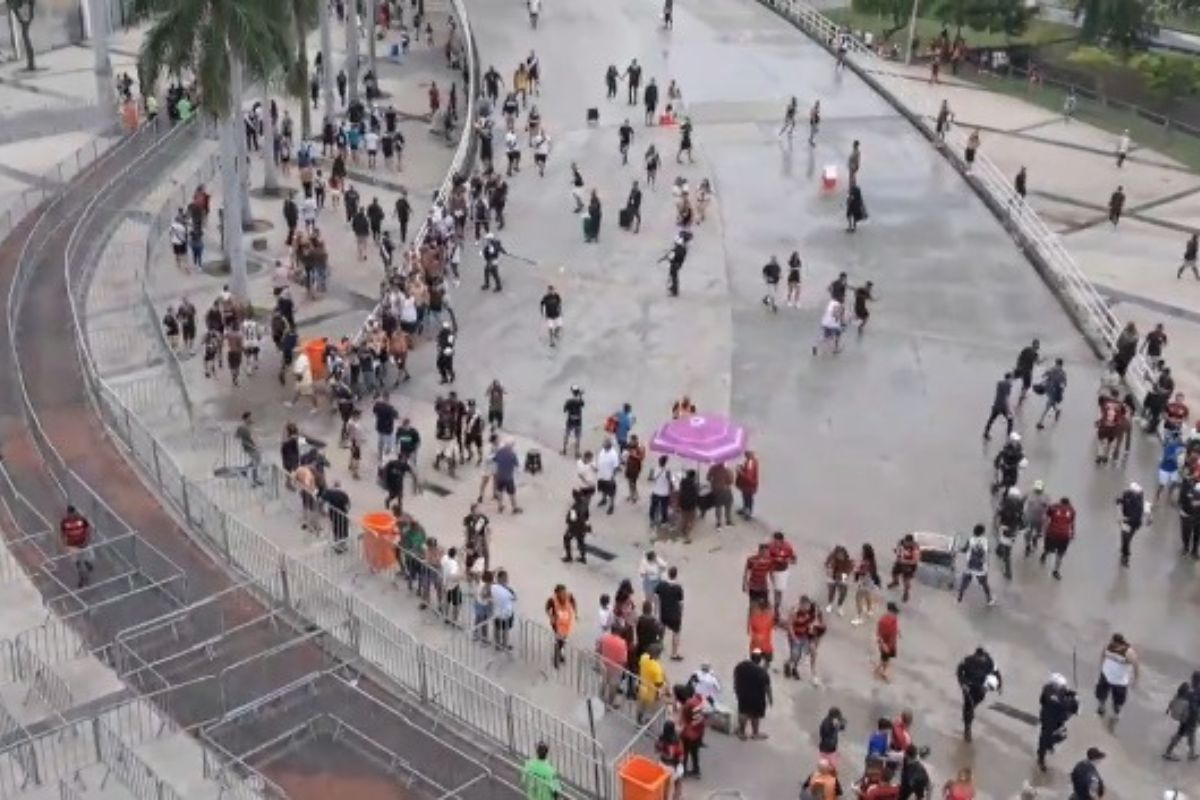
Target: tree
pixel 1126 25
pixel 304 19
pixel 23 11
pixel 1169 75
pixel 897 12
pixel 215 40
pixel 1008 16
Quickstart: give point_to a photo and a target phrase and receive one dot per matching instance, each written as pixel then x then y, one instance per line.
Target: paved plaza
pixel 878 441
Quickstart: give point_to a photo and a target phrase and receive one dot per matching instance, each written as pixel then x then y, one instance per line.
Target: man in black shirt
pixel 403 213
pixel 670 608
pixel 1027 359
pixel 633 208
pixel 578 526
pixel 445 352
pixel 393 479
pixel 914 778
pixel 291 216
pixel 862 296
pixel 648 629
pixel 650 100
pixel 1000 402
pixel 752 687
pixel 633 75
pixel 625 138
pixel 551 306
pixel 408 442
pixel 973 673
pixel 837 289
pixel 375 217
pixel 573 410
pixel 1086 783
pixel 385 425
pixel 339 509
pixel 491 252
pixel 1155 341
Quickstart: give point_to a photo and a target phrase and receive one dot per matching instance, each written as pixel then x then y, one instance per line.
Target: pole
pixel 912 32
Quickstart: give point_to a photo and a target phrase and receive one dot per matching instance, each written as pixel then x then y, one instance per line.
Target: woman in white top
pixel 663 484
pixel 451 599
pixel 1118 671
pixel 651 571
pixel 179 237
pixel 251 343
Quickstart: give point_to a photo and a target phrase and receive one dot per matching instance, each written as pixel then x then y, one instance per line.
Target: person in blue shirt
pixel 506 464
pixel 1168 466
pixel 877 745
pixel 625 420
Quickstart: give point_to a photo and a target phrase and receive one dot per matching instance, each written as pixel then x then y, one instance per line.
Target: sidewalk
pixel 1072 170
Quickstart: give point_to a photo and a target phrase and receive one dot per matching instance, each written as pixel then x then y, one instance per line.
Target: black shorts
pixel 672 624
pixel 505 486
pixel 759 595
pixel 538 158
pixel 1026 378
pixel 1057 546
pixel 180 249
pixel 606 487
pixel 886 655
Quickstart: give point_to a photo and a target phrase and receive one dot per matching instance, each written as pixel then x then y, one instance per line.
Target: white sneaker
pixel 829 608
pixel 856 621
pixel 992 602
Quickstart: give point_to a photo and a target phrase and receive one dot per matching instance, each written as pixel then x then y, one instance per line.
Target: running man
pixel 551 306
pixel 789 119
pixel 76 534
pixel 832 323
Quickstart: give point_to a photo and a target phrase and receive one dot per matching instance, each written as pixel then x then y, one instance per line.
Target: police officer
pixel 1132 505
pixel 491 252
pixel 1086 783
pixel 1008 463
pixel 974 673
pixel 675 258
pixel 578 526
pixel 1058 703
pixel 1189 515
pixel 445 352
pixel 1010 519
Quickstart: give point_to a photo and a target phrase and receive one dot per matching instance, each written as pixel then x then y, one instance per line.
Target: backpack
pixel 1179 707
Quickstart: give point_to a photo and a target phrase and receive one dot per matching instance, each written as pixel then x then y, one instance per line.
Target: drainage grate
pixel 599 552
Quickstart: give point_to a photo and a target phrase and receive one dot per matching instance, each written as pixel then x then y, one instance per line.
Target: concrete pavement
pixel 1072 171
pixel 879 441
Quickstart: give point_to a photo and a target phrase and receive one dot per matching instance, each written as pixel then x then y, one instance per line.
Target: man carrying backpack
pixel 1185 709
pixel 976 549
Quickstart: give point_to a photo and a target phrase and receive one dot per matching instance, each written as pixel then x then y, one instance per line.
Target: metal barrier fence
pixel 44 683
pixel 1087 307
pixel 123 763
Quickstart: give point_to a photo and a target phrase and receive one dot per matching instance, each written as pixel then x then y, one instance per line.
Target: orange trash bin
pixel 315 350
pixel 379 540
pixel 644 779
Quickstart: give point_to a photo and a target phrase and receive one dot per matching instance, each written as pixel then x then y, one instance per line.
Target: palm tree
pixel 304 19
pixel 327 95
pixel 215 40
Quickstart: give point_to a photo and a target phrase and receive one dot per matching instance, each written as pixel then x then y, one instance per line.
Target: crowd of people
pixel 463 582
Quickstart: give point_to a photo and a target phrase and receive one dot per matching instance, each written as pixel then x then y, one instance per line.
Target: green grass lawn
pixel 1182 147
pixel 1038 31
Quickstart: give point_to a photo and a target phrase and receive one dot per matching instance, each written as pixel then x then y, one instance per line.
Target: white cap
pixel 1038 486
pixel 1058 679
pixel 1013 491
pixel 1014 437
pixel 1135 487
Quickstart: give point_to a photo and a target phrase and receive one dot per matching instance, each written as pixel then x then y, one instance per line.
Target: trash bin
pixel 379 540
pixel 315 350
pixel 644 779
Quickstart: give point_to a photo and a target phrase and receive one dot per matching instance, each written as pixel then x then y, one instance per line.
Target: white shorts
pixel 554 324
pixel 1167 478
pixel 779 580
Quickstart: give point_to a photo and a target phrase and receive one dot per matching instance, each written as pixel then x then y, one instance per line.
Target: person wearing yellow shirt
pixel 652 681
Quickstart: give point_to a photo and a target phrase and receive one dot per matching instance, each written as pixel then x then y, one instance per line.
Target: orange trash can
pixel 379 540
pixel 644 779
pixel 315 350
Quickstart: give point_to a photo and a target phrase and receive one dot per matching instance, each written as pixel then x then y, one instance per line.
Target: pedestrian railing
pixel 1087 307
